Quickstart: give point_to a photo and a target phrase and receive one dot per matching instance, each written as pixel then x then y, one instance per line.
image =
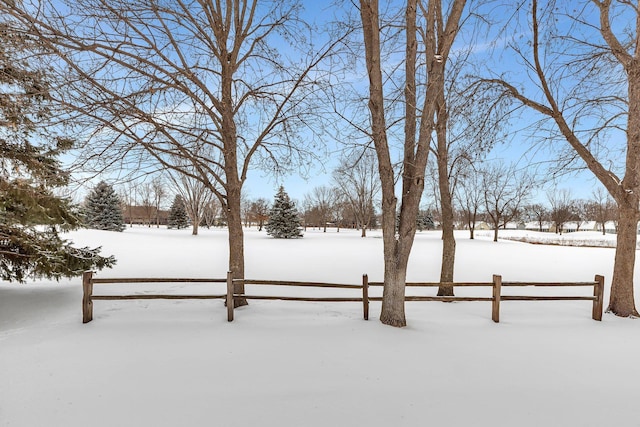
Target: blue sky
pixel 519 150
pixel 261 184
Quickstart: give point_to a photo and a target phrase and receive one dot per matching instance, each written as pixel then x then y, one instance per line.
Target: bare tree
pixel 601 208
pixel 162 80
pixel 505 191
pixel 321 199
pixel 537 212
pixel 307 214
pixel 470 196
pixel 343 212
pixel 563 208
pixel 159 192
pixel 128 195
pixel 259 212
pixel 587 84
pixel 211 213
pixel 419 123
pixel 245 209
pixel 467 123
pixel 357 181
pixel 146 202
pixel 196 195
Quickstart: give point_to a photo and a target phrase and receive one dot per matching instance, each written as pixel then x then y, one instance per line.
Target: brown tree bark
pixel 236 242
pixel 446 202
pixel 394 278
pixel 397 247
pixel 622 302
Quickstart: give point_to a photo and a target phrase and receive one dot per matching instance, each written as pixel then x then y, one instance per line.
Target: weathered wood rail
pixel 232 295
pixel 88 282
pixel 497 284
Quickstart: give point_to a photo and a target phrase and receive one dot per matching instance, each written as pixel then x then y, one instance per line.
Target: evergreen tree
pixel 424 221
pixel 284 222
pixel 103 210
pixel 31 215
pixel 178 217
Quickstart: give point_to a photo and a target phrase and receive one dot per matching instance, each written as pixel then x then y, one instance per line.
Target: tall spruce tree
pixel 284 221
pixel 103 210
pixel 31 215
pixel 178 217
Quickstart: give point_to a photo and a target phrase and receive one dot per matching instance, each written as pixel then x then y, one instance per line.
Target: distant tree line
pixel 499 197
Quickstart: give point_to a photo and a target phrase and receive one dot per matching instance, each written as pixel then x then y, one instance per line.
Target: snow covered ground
pixel 180 363
pixel 585 239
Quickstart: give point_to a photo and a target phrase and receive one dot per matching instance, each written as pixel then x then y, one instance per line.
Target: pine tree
pixel 424 221
pixel 103 209
pixel 178 217
pixel 284 221
pixel 31 215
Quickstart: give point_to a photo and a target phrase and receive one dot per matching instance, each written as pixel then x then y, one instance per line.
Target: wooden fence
pixel 232 296
pixel 497 284
pixel 88 282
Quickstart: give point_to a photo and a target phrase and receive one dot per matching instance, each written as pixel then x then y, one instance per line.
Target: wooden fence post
pixel 229 297
pixel 365 296
pixel 87 292
pixel 497 287
pixel 598 292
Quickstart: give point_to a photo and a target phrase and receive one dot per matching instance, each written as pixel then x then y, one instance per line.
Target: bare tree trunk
pixel 446 201
pixel 448 256
pixel 394 275
pixel 234 184
pixel 416 139
pixel 236 239
pixel 622 301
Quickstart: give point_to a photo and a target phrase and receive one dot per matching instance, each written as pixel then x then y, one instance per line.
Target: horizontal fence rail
pixel 496 284
pixel 88 282
pixel 231 296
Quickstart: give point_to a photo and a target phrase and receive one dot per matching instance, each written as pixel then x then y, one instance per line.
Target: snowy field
pixel 180 363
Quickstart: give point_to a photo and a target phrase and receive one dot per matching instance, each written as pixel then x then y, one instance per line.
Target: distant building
pixel 611 227
pixel 514 225
pixel 545 226
pixel 589 226
pixel 144 215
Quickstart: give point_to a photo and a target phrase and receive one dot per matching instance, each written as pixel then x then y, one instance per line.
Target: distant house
pixel 144 215
pixel 545 226
pixel 611 227
pixel 483 226
pixel 589 226
pixel 512 225
pixel 569 227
